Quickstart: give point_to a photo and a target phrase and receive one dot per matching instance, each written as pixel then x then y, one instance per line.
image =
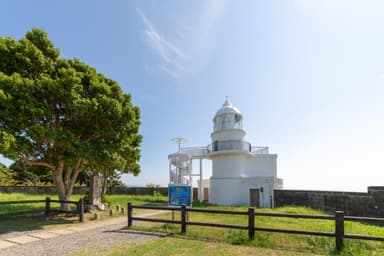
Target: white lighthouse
pixel 241 174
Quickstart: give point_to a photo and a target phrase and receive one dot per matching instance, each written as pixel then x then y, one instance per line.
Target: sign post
pixel 179 195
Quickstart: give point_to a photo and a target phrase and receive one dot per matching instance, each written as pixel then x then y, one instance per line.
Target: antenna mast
pixel 179 141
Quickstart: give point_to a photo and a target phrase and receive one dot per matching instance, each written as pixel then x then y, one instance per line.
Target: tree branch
pixel 79 165
pixel 37 163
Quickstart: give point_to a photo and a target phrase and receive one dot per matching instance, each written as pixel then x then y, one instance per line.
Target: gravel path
pixel 64 244
pixel 92 235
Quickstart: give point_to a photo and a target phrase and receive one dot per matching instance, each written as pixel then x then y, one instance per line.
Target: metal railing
pixel 226 145
pixel 197 152
pixel 260 150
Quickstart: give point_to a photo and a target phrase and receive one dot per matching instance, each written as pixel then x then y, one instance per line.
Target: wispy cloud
pixel 182 47
pixel 172 56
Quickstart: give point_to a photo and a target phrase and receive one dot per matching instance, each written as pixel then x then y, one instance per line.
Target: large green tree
pixel 63 115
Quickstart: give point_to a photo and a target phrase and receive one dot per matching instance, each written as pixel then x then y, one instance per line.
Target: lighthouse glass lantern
pixel 228 118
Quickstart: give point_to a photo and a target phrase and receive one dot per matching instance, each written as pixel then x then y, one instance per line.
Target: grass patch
pixel 136 200
pixel 208 240
pixel 298 243
pixel 170 246
pixel 19 222
pixel 9 221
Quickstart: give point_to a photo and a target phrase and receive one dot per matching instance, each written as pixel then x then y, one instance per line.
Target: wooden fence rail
pixel 338 233
pixel 48 210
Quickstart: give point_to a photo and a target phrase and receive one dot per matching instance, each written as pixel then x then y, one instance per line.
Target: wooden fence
pixel 338 234
pixel 48 209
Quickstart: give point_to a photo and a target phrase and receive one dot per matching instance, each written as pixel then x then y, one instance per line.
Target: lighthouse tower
pixel 241 174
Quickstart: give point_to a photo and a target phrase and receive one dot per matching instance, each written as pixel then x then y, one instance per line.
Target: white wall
pixel 228 165
pixel 259 166
pixel 236 191
pixel 228 134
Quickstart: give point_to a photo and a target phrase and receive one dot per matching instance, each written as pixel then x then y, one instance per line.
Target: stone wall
pixel 38 189
pixel 369 204
pixel 138 191
pixel 81 190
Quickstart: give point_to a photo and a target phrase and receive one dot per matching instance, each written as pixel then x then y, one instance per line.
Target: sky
pixel 307 75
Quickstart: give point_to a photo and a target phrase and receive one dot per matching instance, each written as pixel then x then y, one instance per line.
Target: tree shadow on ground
pixel 32 221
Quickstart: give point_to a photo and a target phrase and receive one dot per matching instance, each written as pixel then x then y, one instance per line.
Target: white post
pixel 190 172
pixel 201 189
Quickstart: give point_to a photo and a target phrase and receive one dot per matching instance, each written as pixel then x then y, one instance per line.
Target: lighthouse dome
pixel 228 108
pixel 227 118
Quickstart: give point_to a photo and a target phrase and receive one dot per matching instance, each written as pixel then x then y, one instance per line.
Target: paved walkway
pixel 39 235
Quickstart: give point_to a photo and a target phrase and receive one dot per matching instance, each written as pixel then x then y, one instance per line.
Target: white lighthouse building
pixel 241 174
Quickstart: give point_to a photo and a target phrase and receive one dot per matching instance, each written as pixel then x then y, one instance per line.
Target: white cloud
pixel 171 55
pixel 182 46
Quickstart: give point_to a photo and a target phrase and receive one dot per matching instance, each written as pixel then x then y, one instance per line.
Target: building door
pixel 254 195
pixel 206 194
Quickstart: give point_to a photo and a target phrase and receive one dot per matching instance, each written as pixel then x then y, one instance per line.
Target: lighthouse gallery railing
pixel 226 145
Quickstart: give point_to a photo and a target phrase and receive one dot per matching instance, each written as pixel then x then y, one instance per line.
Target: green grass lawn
pixel 277 241
pixel 12 222
pixel 208 240
pixel 174 246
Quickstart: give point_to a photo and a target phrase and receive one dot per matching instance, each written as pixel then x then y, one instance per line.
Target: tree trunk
pixel 65 182
pixel 57 177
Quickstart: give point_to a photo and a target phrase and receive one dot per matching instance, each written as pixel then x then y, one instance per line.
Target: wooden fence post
pixel 251 223
pixel 81 209
pixel 47 207
pixel 339 230
pixel 183 219
pixel 129 214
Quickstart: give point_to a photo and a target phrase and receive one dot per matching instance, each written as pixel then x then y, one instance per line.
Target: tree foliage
pixel 30 174
pixel 63 115
pixel 7 176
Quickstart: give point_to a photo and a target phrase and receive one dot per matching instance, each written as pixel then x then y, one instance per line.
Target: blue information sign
pixel 179 194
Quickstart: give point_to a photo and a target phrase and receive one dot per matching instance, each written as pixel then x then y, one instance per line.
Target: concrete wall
pixel 369 204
